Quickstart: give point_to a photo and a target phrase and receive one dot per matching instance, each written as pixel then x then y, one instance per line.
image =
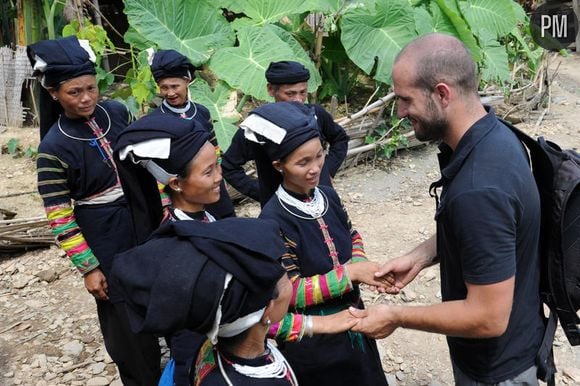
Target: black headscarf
pixel 171 64
pixel 140 187
pixel 176 279
pixel 287 72
pixel 297 119
pixel 63 59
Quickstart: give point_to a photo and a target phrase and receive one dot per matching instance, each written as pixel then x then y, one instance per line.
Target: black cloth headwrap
pixel 65 59
pixel 287 72
pixel 175 280
pixel 171 64
pixel 139 186
pixel 297 119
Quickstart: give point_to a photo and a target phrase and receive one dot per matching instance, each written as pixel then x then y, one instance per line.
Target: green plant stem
pixel 242 103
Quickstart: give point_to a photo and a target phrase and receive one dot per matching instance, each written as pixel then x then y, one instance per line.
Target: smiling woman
pixel 173 73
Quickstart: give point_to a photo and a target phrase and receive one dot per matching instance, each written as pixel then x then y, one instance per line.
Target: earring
pixel 178 189
pixel 54 98
pixel 268 322
pixel 280 170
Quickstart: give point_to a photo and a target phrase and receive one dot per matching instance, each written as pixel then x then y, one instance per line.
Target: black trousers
pixel 137 356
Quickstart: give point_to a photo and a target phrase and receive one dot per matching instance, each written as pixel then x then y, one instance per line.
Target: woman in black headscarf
pixel 177 153
pixel 326 259
pixel 173 73
pixel 82 196
pixel 220 279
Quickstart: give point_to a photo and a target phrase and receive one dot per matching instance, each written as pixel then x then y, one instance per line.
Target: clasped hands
pixel 380 321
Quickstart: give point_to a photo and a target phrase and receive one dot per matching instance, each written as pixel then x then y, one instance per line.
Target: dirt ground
pixel 48 328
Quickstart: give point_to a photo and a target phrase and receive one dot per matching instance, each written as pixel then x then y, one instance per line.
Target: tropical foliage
pixel 233 41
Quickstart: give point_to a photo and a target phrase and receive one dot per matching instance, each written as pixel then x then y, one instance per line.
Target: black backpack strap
pixel 545 355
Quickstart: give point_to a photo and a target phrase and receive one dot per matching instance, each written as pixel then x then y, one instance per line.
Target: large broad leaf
pixel 450 10
pixel 262 12
pixel 221 103
pixel 433 20
pixel 196 28
pixel 496 16
pixel 244 67
pixel 495 59
pixel 372 36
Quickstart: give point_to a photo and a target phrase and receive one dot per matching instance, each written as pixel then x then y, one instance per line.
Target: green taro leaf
pixel 196 28
pixel 262 12
pixel 244 67
pixel 495 59
pixel 221 107
pixel 373 36
pixel 496 16
pixel 433 20
pixel 449 9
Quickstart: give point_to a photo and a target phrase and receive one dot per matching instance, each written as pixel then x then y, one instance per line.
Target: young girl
pixel 325 259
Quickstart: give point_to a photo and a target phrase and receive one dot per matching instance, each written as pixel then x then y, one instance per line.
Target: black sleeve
pixel 336 137
pixel 233 160
pixel 204 117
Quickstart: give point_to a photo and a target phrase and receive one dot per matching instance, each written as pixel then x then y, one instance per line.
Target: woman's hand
pixel 364 272
pixel 333 324
pixel 96 284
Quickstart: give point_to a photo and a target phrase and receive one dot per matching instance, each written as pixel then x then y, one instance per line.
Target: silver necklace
pixel 279 368
pixel 315 208
pixel 179 111
pixel 87 139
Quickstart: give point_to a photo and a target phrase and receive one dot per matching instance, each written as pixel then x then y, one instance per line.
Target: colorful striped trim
pixel 70 238
pixel 205 362
pixel 358 249
pixel 289 329
pixel 309 291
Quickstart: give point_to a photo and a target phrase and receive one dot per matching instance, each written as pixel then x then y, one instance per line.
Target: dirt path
pixel 48 329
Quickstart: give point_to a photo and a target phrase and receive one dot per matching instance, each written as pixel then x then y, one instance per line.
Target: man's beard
pixel 431 128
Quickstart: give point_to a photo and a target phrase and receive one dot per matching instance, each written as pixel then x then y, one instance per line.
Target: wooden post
pixel 576 5
pixel 20 30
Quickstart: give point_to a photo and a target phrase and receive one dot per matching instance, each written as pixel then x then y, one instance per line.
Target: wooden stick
pixel 11 327
pixel 74 367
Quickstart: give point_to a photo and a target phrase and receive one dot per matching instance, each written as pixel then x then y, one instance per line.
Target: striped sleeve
pixel 312 290
pixel 53 188
pixel 289 329
pixel 358 248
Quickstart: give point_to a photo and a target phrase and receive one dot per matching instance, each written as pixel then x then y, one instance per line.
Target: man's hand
pixel 96 284
pixel 404 269
pixel 376 322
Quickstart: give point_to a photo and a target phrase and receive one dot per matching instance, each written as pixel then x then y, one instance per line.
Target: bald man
pixel 488 224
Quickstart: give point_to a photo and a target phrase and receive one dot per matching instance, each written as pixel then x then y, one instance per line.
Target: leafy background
pixel 346 42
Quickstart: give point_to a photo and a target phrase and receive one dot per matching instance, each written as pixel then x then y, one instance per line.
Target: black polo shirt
pixel 488 224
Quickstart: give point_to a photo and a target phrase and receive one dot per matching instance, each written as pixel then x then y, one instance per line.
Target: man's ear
pixel 443 93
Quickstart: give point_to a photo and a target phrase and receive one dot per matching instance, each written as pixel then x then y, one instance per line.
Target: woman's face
pixel 77 96
pixel 301 168
pixel 279 306
pixel 201 186
pixel 174 90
